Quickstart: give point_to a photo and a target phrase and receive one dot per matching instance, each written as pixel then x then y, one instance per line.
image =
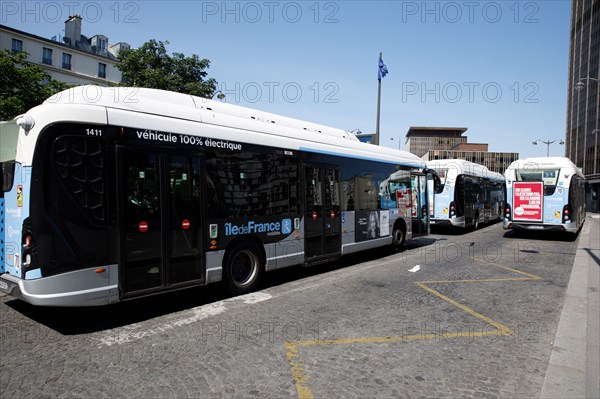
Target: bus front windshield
pixel 548 176
pixel 9 134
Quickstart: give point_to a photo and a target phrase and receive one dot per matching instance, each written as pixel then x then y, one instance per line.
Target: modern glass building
pixel 583 115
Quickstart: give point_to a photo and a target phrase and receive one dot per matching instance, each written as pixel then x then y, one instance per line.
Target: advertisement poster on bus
pixel 528 201
pixel 371 225
pixel 404 201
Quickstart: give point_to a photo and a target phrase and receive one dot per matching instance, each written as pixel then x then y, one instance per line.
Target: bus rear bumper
pixel 567 227
pixel 60 290
pixel 440 222
pixel 450 222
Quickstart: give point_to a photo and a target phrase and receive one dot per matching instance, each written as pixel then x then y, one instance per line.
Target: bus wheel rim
pixel 244 268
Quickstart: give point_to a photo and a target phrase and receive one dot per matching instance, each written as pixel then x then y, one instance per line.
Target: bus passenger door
pixel 322 218
pixel 420 207
pixel 469 202
pixel 159 221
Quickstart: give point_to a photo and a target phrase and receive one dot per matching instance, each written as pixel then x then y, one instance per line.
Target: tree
pixel 23 85
pixel 151 66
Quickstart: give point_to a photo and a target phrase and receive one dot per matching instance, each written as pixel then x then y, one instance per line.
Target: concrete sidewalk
pixel 574 367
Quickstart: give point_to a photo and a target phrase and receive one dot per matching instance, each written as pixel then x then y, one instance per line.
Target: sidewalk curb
pixel 573 368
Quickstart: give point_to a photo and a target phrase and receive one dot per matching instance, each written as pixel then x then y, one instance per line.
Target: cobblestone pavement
pixel 477 320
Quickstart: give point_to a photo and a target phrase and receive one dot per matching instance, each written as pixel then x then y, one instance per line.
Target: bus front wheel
pixel 243 268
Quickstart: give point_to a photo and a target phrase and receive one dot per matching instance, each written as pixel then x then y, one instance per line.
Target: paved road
pixel 476 320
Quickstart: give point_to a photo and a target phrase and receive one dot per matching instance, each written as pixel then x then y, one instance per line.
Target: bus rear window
pixel 548 176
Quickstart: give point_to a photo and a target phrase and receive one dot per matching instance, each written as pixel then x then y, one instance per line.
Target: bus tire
pixel 243 268
pixel 398 237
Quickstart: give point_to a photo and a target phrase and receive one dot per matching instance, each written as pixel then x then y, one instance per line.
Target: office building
pixel 431 143
pixel 583 115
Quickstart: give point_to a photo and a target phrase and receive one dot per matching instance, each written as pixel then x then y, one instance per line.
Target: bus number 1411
pixel 94 132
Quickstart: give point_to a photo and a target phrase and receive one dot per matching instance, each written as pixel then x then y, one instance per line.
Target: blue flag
pixel 382 69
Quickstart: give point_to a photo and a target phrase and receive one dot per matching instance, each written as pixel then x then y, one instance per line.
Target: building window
pixel 101 70
pixel 17 46
pixel 47 56
pixel 102 45
pixel 66 61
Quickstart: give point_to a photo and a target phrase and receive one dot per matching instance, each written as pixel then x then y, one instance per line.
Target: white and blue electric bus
pixel 115 193
pixel 471 194
pixel 544 194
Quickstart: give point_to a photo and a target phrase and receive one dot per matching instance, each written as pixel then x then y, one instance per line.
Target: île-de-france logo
pixel 286 226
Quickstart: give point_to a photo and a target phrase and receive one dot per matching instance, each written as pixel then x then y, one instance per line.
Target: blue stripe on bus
pixel 344 155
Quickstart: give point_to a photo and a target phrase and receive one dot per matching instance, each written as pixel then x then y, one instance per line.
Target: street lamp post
pixel 547 142
pixel 581 84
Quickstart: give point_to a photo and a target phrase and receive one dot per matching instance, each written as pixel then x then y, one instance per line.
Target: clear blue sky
pixel 498 68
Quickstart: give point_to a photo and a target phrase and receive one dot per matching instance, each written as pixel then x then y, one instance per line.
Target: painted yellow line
pixel 532 276
pixel 501 327
pixel 400 338
pixel 292 352
pixel 300 378
pixel 483 280
pixel 292 348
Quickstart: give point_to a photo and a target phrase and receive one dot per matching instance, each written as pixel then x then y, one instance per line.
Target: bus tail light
pixel 566 213
pixel 507 212
pixel 27 237
pixel 452 209
pixel 28 245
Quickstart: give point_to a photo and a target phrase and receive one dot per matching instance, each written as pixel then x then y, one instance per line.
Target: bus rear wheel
pixel 243 268
pixel 399 236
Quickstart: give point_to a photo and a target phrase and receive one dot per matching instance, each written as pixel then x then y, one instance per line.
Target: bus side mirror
pixel 437 182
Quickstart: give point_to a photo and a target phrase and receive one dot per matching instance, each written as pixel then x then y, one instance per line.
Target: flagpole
pixel 376 138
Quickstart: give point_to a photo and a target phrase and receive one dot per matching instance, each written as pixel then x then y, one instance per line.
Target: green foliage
pixel 23 85
pixel 151 66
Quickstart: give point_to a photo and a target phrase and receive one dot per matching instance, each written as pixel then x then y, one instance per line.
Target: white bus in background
pixel 546 193
pixel 471 194
pixel 111 194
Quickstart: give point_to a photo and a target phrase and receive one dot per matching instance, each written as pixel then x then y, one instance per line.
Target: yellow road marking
pixel 485 280
pixel 532 276
pixel 501 327
pixel 301 379
pixel 292 348
pixel 292 355
pixel 400 338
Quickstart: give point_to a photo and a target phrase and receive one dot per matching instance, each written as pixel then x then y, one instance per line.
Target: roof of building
pixel 84 45
pixel 432 131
